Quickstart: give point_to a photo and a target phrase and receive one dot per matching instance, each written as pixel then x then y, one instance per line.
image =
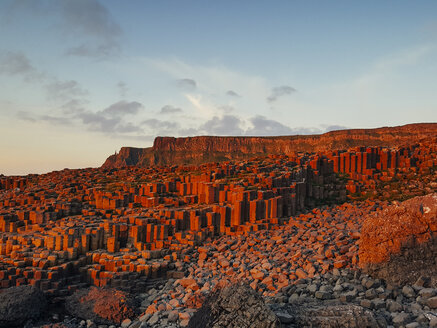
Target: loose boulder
pixel 399 243
pixel 20 304
pixel 235 305
pixel 329 316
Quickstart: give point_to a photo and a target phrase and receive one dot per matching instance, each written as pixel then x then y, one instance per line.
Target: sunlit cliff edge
pixel 200 149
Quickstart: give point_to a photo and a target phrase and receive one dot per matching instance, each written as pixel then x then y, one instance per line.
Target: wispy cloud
pixel 279 92
pixel 168 109
pixel 94 25
pixel 160 125
pixel 122 108
pixel 111 121
pixel 94 51
pixel 329 128
pixel 122 88
pixel 87 24
pixel 25 116
pixel 63 90
pixel 204 108
pixel 187 84
pixel 226 108
pixel 57 120
pixel 232 94
pixel 18 64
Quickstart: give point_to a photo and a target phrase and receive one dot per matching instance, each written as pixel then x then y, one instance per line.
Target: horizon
pixel 80 79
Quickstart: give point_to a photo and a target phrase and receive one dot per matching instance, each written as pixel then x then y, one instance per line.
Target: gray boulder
pixel 234 306
pixel 20 304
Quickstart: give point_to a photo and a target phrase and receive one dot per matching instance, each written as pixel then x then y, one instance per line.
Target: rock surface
pixel 399 243
pixel 352 316
pixel 20 304
pixel 234 306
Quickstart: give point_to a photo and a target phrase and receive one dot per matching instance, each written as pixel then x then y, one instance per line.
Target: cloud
pixel 90 20
pixel 56 120
pixel 95 51
pixel 65 90
pixel 73 106
pixel 159 125
pixel 111 120
pixel 168 109
pixel 123 108
pixel 18 64
pixel 226 108
pixel 186 84
pixel 279 92
pixel 24 7
pixel 232 94
pixel 87 23
pixel 97 121
pixel 25 116
pixel 226 125
pixel 204 108
pixel 128 128
pixel 262 126
pixel 89 17
pixel 188 132
pixel 122 88
pixel 335 128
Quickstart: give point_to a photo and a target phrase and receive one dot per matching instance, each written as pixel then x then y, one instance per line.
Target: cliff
pixel 196 150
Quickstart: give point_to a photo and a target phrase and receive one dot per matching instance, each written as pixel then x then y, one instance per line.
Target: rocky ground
pixel 343 298
pixel 307 272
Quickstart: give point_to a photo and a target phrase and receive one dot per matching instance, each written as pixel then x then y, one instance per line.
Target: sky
pixel 79 79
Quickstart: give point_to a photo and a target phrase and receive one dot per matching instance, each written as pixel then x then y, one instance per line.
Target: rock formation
pixel 234 306
pixel 293 228
pixel 20 304
pixel 399 243
pixel 203 149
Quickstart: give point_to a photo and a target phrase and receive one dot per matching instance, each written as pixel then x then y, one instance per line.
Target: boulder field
pixel 314 271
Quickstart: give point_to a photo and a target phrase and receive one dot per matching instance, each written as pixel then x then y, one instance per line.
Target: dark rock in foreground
pixel 20 304
pixel 330 316
pixel 234 306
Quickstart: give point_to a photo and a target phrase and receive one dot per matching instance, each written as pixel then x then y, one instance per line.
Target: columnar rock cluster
pixel 271 222
pixel 74 227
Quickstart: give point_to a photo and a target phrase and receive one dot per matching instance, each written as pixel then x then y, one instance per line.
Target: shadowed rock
pixel 330 316
pixel 20 304
pixel 234 306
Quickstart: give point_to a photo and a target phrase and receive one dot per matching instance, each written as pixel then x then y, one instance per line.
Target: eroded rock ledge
pixel 203 149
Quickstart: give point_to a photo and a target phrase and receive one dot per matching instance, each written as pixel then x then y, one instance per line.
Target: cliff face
pixel 196 150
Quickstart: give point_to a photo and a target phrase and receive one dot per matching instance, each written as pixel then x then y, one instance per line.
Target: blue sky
pixel 81 78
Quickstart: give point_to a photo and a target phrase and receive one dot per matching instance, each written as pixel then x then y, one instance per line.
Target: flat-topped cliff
pixel 196 150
